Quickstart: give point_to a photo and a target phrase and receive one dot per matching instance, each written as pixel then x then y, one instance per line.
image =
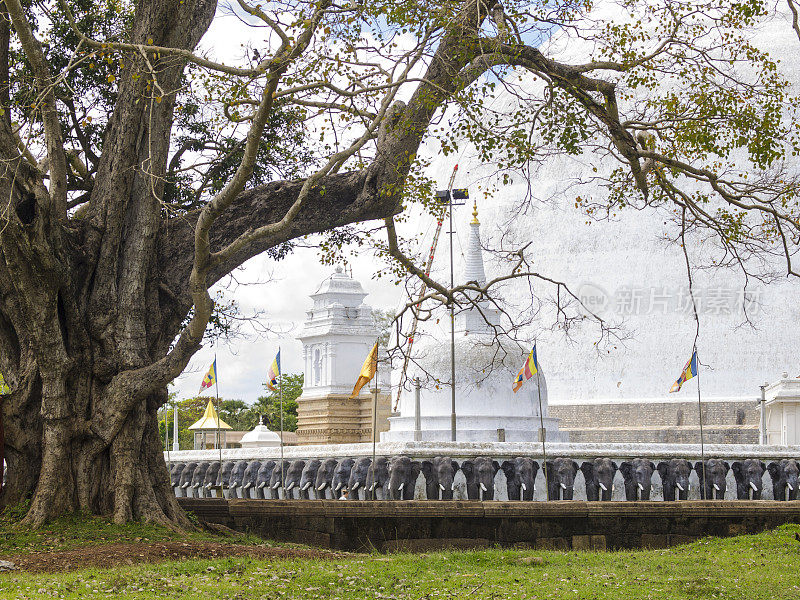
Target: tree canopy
pixel 139 169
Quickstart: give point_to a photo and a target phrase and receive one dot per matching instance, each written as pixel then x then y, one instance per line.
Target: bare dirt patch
pixel 111 555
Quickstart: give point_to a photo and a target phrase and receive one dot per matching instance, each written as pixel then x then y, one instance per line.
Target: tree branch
pixel 52 125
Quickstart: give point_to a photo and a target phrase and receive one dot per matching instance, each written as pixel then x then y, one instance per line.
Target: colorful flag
pixel 689 371
pixel 210 378
pixel 367 371
pixel 274 372
pixel 528 370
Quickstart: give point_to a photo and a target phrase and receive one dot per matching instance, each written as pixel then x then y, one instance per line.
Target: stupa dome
pixel 261 436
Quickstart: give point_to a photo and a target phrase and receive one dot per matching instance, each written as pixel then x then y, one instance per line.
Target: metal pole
pixel 219 418
pixel 280 395
pixel 166 436
pixel 417 416
pixel 763 433
pixel 374 424
pixel 702 437
pixel 452 331
pixel 175 444
pixel 542 433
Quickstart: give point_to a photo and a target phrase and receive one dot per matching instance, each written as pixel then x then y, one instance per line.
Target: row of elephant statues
pixel 395 478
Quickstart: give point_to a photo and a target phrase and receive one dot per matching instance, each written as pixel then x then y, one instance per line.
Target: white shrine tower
pixel 487 409
pixel 337 336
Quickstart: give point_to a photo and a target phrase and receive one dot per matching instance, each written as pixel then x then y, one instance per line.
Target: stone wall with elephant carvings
pixel 500 451
pixel 666 422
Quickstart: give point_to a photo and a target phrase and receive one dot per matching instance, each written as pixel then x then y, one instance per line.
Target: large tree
pixel 137 172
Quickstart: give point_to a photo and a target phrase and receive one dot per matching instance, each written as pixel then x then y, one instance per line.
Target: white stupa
pixel 261 437
pixel 487 409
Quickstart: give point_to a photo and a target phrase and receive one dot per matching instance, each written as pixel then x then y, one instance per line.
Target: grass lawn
pixel 759 566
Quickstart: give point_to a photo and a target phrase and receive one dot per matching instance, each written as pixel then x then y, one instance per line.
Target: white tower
pixel 337 336
pixel 487 410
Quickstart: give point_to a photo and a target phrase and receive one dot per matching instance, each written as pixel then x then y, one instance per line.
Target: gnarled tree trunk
pixel 93 303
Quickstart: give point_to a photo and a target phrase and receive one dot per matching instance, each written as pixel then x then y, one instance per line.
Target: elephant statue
pixel 322 485
pixel 637 475
pixel 292 479
pixel 784 475
pixel 480 473
pixel 439 476
pixel 560 475
pixel 599 477
pixel 308 477
pixel 713 482
pixel 175 478
pixel 262 479
pixel 237 477
pixel 278 477
pixel 198 478
pixel 358 477
pixel 186 479
pixel 377 479
pixel 403 474
pixel 224 477
pixel 749 476
pixel 675 475
pixel 341 478
pixel 210 480
pixel 520 477
pixel 250 478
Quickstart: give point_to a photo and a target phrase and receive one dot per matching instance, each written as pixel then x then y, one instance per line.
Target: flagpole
pixel 700 412
pixel 374 421
pixel 542 432
pixel 280 396
pixel 166 436
pixel 216 387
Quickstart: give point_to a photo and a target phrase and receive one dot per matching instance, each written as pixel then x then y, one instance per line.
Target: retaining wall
pixel 427 525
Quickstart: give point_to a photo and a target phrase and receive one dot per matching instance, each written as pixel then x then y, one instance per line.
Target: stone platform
pixel 429 525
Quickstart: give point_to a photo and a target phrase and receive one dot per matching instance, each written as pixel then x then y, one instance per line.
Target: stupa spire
pixel 473 261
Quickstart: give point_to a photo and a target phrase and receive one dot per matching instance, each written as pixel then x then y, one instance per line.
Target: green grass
pixel 765 566
pixel 79 530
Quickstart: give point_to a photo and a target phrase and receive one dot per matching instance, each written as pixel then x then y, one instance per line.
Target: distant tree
pixel 384 320
pixel 269 405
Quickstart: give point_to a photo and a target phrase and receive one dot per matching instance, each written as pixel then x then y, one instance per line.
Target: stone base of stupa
pixel 339 419
pixel 482 428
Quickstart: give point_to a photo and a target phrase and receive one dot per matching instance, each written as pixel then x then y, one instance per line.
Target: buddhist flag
pixel 689 371
pixel 274 372
pixel 528 370
pixel 367 371
pixel 210 378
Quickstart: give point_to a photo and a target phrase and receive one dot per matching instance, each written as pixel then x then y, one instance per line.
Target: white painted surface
pixel 260 437
pixel 499 450
pixel 337 336
pixel 783 411
pixel 487 409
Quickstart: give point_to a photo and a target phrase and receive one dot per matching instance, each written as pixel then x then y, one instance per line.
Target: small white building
pixel 782 407
pixel 261 437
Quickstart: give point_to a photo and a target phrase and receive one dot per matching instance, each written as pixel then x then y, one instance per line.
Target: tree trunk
pixel 91 303
pixel 59 448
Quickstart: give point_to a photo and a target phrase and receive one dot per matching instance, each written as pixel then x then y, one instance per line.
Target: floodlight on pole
pixel 447 196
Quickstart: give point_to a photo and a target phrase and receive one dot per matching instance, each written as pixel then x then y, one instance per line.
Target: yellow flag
pixel 367 371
